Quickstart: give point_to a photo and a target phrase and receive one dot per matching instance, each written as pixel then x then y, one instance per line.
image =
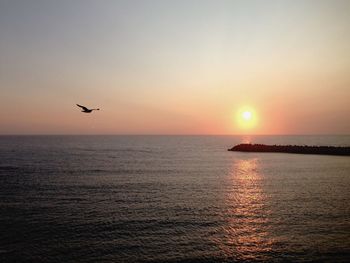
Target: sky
pixel 174 67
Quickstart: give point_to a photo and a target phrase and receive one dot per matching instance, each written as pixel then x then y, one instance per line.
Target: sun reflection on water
pixel 245 235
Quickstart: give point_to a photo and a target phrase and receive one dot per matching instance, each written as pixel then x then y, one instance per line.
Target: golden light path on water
pixel 246 235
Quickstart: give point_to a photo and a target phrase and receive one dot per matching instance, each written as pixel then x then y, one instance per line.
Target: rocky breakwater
pixel 326 150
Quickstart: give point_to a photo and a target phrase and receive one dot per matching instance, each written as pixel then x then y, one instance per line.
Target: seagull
pixel 86 110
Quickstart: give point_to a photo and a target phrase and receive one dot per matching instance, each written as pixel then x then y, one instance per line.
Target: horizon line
pixel 155 134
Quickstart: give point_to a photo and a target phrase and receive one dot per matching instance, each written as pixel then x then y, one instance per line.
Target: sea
pixel 171 199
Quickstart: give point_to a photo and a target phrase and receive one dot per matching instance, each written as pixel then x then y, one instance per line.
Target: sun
pixel 247 115
pixel 246 118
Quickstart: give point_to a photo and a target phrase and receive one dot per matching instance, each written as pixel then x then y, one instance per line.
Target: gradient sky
pixel 174 67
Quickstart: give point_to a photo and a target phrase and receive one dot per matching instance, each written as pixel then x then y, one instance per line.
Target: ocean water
pixel 171 199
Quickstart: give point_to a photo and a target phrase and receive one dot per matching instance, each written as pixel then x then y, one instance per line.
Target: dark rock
pixel 327 150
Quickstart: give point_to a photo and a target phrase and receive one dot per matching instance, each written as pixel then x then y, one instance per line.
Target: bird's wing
pixel 84 108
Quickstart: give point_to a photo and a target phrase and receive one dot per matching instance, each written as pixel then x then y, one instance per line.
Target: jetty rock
pixel 326 150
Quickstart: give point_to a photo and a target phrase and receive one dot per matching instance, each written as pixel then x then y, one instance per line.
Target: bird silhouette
pixel 86 110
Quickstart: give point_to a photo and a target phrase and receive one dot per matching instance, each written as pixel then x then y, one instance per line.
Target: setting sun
pixel 246 118
pixel 247 115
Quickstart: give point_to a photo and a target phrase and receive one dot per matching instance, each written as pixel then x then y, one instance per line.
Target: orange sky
pixel 180 67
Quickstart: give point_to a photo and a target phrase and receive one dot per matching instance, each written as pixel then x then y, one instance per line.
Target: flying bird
pixel 86 110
